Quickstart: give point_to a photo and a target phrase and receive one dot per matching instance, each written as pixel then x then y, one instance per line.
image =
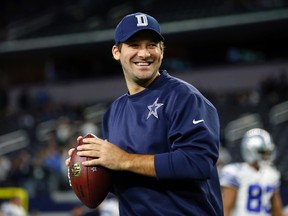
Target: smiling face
pixel 140 57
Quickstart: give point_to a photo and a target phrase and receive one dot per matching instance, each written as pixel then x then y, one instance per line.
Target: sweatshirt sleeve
pixel 194 139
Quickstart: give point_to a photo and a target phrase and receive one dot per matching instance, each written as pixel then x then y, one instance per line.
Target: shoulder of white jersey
pixel 233 167
pixel 274 171
pixel 229 175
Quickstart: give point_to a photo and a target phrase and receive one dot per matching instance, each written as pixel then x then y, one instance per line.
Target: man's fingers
pixel 67 161
pixel 91 162
pixel 71 151
pixel 78 138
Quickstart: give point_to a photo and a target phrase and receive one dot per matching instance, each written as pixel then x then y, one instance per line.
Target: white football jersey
pixel 254 188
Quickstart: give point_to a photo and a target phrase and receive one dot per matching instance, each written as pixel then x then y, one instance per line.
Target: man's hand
pixel 108 155
pixel 104 153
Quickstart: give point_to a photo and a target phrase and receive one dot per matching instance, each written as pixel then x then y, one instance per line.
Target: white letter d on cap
pixel 142 20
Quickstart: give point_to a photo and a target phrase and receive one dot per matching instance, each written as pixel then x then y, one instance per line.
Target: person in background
pixel 5 166
pixel 251 188
pixel 161 138
pixel 13 207
pixel 109 207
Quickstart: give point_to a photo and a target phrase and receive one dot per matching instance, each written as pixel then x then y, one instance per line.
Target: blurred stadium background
pixel 57 76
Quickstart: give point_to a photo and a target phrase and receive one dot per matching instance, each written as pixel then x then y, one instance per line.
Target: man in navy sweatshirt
pixel 161 138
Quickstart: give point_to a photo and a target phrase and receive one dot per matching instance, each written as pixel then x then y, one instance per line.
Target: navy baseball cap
pixel 134 23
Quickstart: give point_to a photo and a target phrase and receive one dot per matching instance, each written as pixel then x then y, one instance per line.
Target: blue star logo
pixel 153 108
pixel 93 169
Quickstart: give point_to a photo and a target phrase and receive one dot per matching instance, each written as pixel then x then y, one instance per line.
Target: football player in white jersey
pixel 251 188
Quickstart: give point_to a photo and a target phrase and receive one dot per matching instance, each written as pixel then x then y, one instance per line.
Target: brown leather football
pixel 91 184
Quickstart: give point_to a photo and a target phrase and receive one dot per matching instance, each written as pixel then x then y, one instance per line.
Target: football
pixel 91 184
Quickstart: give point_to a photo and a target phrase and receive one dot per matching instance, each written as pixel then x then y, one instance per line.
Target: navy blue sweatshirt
pixel 172 120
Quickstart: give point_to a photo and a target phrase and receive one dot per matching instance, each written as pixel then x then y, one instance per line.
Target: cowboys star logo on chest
pixel 153 109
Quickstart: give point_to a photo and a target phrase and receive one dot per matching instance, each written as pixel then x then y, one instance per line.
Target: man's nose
pixel 143 52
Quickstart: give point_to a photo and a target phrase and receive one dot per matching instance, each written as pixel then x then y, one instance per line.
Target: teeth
pixel 142 63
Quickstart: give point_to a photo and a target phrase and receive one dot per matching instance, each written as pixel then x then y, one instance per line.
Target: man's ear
pixel 116 53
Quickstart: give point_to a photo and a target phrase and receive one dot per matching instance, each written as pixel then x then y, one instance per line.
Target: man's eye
pixel 153 45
